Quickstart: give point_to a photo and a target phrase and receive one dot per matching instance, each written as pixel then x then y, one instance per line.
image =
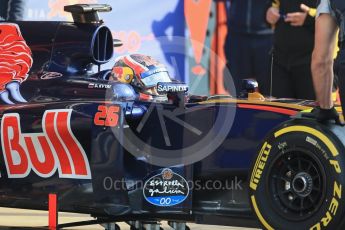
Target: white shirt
pixel 323 8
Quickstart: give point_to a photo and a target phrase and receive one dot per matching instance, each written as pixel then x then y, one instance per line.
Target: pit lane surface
pixel 18 219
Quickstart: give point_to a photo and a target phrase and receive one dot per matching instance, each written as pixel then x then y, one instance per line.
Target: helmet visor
pixel 152 77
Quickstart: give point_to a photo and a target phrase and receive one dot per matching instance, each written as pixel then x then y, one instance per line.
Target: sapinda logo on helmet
pixel 164 87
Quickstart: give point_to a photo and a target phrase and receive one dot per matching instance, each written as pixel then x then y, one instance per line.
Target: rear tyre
pixel 298 176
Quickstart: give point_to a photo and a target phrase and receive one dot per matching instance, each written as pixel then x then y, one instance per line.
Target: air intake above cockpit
pixel 102 45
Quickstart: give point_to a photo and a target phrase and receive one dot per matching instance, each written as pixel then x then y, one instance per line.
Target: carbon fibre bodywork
pixel 61 81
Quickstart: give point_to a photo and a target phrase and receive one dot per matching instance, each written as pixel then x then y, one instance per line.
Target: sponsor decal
pixel 122 74
pixel 318 146
pixel 107 116
pixel 260 165
pixel 15 63
pixel 282 146
pixel 15 57
pixel 163 88
pixel 50 75
pixel 311 140
pixel 55 149
pixel 166 189
pixel 99 86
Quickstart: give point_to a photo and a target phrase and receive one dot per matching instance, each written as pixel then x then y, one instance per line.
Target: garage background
pixel 186 35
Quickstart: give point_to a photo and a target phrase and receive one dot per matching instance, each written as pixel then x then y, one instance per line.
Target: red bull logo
pixel 15 62
pixel 55 149
pixel 15 55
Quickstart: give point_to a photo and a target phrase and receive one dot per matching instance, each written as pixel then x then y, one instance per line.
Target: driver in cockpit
pixel 143 73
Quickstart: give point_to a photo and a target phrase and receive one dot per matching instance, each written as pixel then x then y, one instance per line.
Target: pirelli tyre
pixel 297 179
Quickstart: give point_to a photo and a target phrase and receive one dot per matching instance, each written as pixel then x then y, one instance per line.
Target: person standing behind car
pixel 12 10
pixel 294 22
pixel 248 43
pixel 330 19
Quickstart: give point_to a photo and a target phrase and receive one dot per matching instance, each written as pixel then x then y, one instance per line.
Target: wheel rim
pixel 296 184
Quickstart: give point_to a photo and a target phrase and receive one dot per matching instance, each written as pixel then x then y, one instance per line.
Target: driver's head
pixel 141 71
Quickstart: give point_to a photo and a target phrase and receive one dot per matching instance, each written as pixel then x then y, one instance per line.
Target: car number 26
pixel 107 116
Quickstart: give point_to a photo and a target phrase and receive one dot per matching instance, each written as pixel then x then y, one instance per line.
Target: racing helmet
pixel 141 71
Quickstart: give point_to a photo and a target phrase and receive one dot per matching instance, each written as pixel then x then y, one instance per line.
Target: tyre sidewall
pixel 327 148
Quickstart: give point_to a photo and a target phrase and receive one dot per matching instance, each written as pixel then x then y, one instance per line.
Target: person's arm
pixel 306 17
pixel 311 14
pixel 272 14
pixel 322 59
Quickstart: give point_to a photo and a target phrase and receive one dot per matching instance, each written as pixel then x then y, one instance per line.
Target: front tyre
pixel 298 176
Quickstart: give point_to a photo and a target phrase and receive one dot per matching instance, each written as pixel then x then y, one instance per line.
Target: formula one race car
pixel 105 148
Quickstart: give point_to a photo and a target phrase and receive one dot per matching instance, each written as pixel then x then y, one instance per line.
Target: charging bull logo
pixel 55 149
pixel 15 62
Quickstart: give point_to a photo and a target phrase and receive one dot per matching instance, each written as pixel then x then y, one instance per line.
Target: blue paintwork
pixel 109 161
